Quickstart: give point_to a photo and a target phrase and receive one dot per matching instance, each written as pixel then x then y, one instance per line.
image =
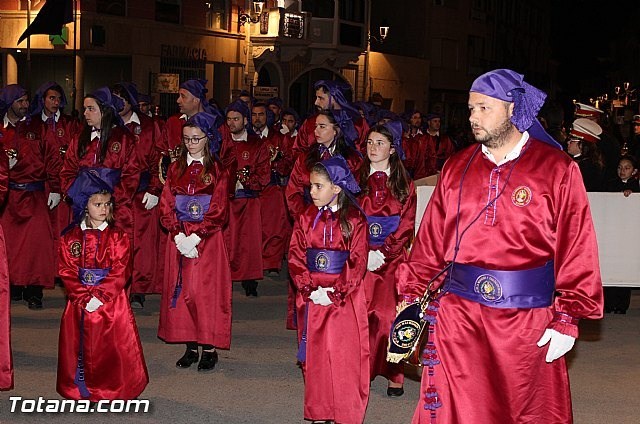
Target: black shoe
pixel 16 293
pixel 250 287
pixel 34 303
pixel 190 357
pixel 395 391
pixel 137 301
pixel 208 361
pixel 619 311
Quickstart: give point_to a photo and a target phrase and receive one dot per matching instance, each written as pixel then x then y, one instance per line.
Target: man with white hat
pixel 509 226
pixel 608 144
pixel 582 145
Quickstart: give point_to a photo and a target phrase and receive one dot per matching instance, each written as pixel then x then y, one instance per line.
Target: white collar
pixel 56 116
pixel 133 118
pixel 191 159
pixel 418 132
pixel 386 171
pixel 514 153
pixel 333 208
pixel 184 116
pixel 101 227
pixel 7 122
pixel 437 134
pixel 264 132
pixel 95 133
pixel 241 137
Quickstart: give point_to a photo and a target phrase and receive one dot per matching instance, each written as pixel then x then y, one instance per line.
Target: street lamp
pixel 257 11
pixel 383 32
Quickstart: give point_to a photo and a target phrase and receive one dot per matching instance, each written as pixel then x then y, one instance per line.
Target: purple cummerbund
pixel 33 186
pixel 531 288
pixel 245 193
pixel 92 276
pixel 326 261
pixel 192 208
pixel 380 227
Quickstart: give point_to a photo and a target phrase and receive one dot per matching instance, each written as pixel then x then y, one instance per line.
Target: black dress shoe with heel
pixel 250 287
pixel 395 391
pixel 208 361
pixel 34 303
pixel 190 357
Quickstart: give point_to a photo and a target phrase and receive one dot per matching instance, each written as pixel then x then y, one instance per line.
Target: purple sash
pixel 531 288
pixel 34 186
pixel 326 261
pixel 145 180
pixel 245 193
pixel 92 276
pixel 278 179
pixel 192 208
pixel 381 227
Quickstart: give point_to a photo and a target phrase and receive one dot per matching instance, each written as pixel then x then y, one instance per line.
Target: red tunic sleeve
pixel 68 265
pixel 119 256
pixel 294 191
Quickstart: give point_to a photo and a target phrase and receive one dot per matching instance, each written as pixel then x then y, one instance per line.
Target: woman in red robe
pixel 390 204
pixel 327 261
pixel 194 207
pixel 100 354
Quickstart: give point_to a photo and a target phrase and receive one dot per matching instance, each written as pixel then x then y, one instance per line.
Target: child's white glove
pixel 320 297
pixel 178 239
pixel 12 162
pixel 559 344
pixel 93 304
pixel 188 244
pixel 149 201
pixel 192 254
pixel 376 260
pixel 53 200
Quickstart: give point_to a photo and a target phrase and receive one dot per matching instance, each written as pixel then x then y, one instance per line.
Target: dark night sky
pixel 584 36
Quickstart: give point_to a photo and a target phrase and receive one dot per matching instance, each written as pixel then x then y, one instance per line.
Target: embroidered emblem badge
pixel 375 230
pixel 75 248
pixel 322 261
pixel 195 209
pixel 245 155
pixel 137 129
pixel 488 287
pixel 206 179
pixel 60 132
pixel 521 196
pixel 31 136
pixel 115 147
pixel 405 333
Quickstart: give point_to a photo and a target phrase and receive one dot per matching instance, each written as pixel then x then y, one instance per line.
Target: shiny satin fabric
pixel 114 366
pixel 491 369
pixel 203 308
pixel 336 370
pixel 380 286
pixel 6 359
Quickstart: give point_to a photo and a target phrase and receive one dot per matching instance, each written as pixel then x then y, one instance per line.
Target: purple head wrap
pixel 509 86
pixel 198 87
pixel 106 99
pixel 369 110
pixel 10 94
pixel 395 128
pixel 85 185
pixel 144 98
pixel 275 101
pixel 38 99
pixel 346 114
pixel 340 174
pixel 208 123
pixel 132 92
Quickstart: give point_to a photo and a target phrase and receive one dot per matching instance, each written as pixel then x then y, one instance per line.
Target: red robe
pixel 415 150
pixel 543 214
pixel 120 155
pixel 25 217
pixel 203 308
pixel 276 224
pixel 336 370
pixel 380 286
pixel 6 361
pixel 114 366
pixel 148 259
pixel 439 149
pixel 244 233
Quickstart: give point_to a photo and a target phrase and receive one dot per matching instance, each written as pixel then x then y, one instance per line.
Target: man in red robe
pixel 438 146
pixel 34 166
pixel 414 144
pixel 510 222
pixel 6 361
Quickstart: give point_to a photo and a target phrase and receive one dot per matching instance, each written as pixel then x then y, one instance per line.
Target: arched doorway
pixel 301 93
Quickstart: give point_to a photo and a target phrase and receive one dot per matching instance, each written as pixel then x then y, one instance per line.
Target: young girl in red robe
pixel 390 204
pixel 194 207
pixel 327 261
pixel 99 355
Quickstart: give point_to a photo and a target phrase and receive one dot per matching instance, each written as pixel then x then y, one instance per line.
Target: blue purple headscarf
pixel 106 99
pixel 132 92
pixel 8 95
pixel 340 174
pixel 37 104
pixel 346 114
pixel 509 86
pixel 396 130
pixel 86 184
pixel 208 123
pixel 243 109
pixel 198 87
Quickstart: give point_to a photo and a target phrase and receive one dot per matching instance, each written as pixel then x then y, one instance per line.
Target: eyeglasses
pixel 194 140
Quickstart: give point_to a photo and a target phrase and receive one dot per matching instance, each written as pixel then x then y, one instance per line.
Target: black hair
pixel 344 204
pixel 107 122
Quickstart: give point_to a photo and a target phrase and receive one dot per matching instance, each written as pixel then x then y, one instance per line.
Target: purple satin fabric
pixel 326 261
pixel 380 227
pixel 531 288
pixel 192 208
pixel 92 276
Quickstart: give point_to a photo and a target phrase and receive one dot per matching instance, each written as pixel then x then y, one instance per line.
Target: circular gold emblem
pixel 115 147
pixel 245 155
pixel 488 287
pixel 322 261
pixel 521 196
pixel 60 132
pixel 75 248
pixel 375 230
pixel 206 179
pixel 31 136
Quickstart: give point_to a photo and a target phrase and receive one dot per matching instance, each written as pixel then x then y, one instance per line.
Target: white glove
pixel 54 199
pixel 376 260
pixel 558 346
pixel 320 297
pixel 239 186
pixel 149 201
pixel 178 239
pixel 12 162
pixel 192 254
pixel 93 304
pixel 188 244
